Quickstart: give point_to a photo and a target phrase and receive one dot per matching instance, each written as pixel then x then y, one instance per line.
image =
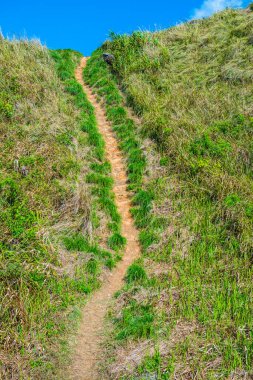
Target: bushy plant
pixel 116 241
pixel 135 273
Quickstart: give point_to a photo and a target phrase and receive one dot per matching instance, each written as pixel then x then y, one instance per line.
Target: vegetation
pixel 186 308
pixel 135 273
pixel 53 221
pixel 190 167
pixel 97 74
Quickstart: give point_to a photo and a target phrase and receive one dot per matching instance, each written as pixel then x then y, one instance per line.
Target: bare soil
pixel 90 336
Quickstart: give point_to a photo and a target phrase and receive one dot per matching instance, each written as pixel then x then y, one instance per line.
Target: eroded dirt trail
pixel 90 335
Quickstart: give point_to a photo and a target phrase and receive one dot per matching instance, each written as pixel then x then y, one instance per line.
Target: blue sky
pixel 84 25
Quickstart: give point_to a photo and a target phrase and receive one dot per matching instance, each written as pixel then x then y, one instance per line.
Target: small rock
pixel 24 171
pixel 14 241
pixel 108 58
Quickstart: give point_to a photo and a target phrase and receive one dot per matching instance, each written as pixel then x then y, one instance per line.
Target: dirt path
pixel 90 335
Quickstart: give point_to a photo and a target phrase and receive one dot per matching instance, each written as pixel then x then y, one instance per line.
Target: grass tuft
pixel 116 241
pixel 135 273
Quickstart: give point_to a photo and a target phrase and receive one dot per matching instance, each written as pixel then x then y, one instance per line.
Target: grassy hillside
pixel 55 226
pixel 186 309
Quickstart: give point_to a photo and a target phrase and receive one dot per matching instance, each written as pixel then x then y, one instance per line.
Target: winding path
pixel 90 335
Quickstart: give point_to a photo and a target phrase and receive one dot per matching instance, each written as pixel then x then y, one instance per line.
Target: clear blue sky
pixel 84 25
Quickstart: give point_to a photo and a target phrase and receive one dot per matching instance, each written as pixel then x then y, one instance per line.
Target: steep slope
pixel 187 310
pixel 58 218
pixel 91 332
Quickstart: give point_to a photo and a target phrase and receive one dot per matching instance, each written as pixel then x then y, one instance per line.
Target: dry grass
pixel 191 87
pixel 45 157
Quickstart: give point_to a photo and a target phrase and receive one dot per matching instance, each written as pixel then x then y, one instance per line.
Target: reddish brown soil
pixel 90 336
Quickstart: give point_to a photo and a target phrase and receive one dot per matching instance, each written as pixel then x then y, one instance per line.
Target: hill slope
pixel 55 224
pixel 186 310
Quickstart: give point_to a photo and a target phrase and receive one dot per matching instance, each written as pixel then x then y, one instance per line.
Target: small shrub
pixel 136 322
pixel 232 127
pixel 249 210
pixel 147 238
pixel 111 209
pixel 135 273
pixel 143 198
pixel 100 180
pixel 116 241
pixel 81 286
pixel 114 227
pixel 205 145
pixel 6 109
pixel 92 266
pixel 232 200
pixel 76 243
pixel 73 87
pixel 65 138
pixel 110 263
pixel 101 168
pixel 116 114
pixel 141 217
pixel 164 161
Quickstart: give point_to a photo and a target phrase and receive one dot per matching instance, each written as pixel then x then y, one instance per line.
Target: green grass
pixel 135 322
pixel 51 217
pixel 116 241
pixel 121 123
pixel 135 272
pixel 100 170
pixel 191 87
pixel 80 243
pixel 35 311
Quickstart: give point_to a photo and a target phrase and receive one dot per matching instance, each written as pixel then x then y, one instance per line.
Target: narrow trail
pixel 90 335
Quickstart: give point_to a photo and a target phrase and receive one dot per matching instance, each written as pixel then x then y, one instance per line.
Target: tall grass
pixel 38 173
pixel 99 173
pixel 191 87
pixel 51 223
